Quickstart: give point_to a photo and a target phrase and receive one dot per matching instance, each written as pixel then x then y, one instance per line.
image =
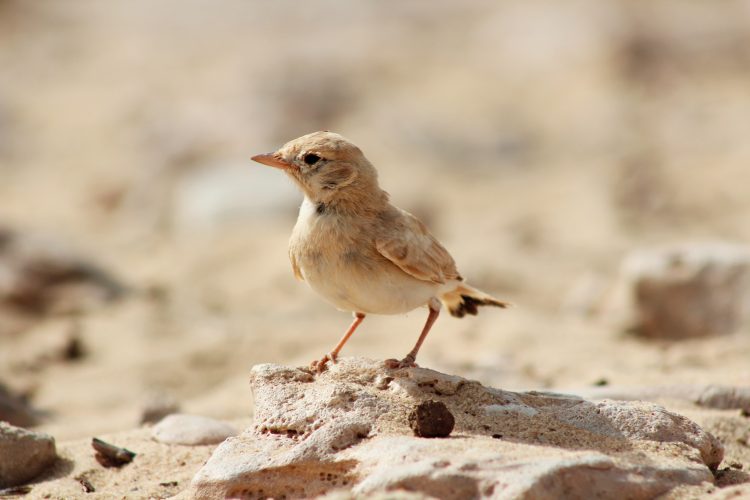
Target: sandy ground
pixel 541 144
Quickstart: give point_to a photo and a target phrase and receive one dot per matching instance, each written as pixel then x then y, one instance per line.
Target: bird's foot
pixel 320 364
pixel 407 362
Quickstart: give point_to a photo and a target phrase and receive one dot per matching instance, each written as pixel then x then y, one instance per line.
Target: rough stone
pixel 431 419
pixel 23 454
pixel 725 398
pixel 685 291
pixel 212 194
pixel 16 410
pixel 348 429
pixel 720 397
pixel 158 406
pixel 191 430
pixel 39 276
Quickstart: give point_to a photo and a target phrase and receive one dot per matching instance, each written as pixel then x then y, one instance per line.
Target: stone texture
pixel 16 410
pixel 192 430
pixel 158 406
pixel 348 429
pixel 720 397
pixel 724 398
pixel 214 193
pixel 40 276
pixel 686 291
pixel 23 454
pixel 431 419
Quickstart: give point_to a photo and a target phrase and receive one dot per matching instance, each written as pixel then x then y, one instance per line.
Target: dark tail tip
pixel 470 305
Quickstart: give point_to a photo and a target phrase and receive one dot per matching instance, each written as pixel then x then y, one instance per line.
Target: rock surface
pixel 158 406
pixel 23 454
pixel 41 276
pixel 720 397
pixel 348 429
pixel 15 410
pixel 686 291
pixel 191 430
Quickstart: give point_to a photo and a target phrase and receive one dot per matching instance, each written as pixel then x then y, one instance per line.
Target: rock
pixel 431 419
pixel 191 430
pixel 725 398
pixel 720 397
pixel 23 454
pixel 215 194
pixel 41 276
pixel 109 455
pixel 348 429
pixel 158 406
pixel 16 410
pixel 686 291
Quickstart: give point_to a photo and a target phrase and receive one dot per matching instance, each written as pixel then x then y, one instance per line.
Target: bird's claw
pixel 407 362
pixel 320 365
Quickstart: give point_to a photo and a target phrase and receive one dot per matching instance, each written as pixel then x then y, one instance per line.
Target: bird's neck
pixel 360 203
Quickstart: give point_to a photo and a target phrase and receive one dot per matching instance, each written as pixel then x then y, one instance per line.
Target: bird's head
pixel 327 167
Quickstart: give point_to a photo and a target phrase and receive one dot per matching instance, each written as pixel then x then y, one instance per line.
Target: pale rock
pixel 725 398
pixel 157 406
pixel 191 430
pixel 721 397
pixel 347 429
pixel 216 194
pixel 16 410
pixel 684 291
pixel 23 454
pixel 40 275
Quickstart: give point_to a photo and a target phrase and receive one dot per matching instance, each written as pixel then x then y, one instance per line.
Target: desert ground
pixel 541 142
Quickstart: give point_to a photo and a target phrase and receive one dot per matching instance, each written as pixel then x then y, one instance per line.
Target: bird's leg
pixel 320 365
pixel 410 359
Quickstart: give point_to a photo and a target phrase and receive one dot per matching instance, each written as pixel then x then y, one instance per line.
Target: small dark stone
pixel 109 455
pixel 73 349
pixel 15 491
pixel 431 419
pixel 601 382
pixel 85 484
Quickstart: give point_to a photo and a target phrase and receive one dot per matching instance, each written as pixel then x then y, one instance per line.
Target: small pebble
pixel 191 430
pixel 431 419
pixel 109 455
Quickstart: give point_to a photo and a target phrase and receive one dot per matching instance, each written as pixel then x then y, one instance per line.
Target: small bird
pixel 357 250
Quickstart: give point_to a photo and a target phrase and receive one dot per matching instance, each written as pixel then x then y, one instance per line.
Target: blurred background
pixel 143 256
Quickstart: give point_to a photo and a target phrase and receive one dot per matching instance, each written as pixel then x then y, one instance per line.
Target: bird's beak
pixel 272 160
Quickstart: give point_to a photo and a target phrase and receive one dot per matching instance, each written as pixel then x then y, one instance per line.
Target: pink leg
pixel 331 356
pixel 411 358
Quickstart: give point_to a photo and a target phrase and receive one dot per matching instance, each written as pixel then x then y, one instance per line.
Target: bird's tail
pixel 464 300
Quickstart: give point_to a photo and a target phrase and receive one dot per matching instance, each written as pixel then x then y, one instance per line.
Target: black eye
pixel 311 158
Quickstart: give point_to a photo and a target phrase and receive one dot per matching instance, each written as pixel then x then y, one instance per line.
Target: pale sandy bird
pixel 358 251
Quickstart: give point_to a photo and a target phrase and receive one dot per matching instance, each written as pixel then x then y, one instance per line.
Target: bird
pixel 360 252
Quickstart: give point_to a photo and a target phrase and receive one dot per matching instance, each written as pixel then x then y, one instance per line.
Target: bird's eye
pixel 311 158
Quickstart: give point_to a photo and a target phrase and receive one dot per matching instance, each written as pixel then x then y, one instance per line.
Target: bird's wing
pixel 412 248
pixel 295 267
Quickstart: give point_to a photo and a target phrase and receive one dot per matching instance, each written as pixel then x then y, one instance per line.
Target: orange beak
pixel 271 160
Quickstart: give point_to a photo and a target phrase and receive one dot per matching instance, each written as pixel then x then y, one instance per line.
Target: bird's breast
pixel 339 261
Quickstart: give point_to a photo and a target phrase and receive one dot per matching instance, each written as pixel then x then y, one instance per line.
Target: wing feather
pixel 412 248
